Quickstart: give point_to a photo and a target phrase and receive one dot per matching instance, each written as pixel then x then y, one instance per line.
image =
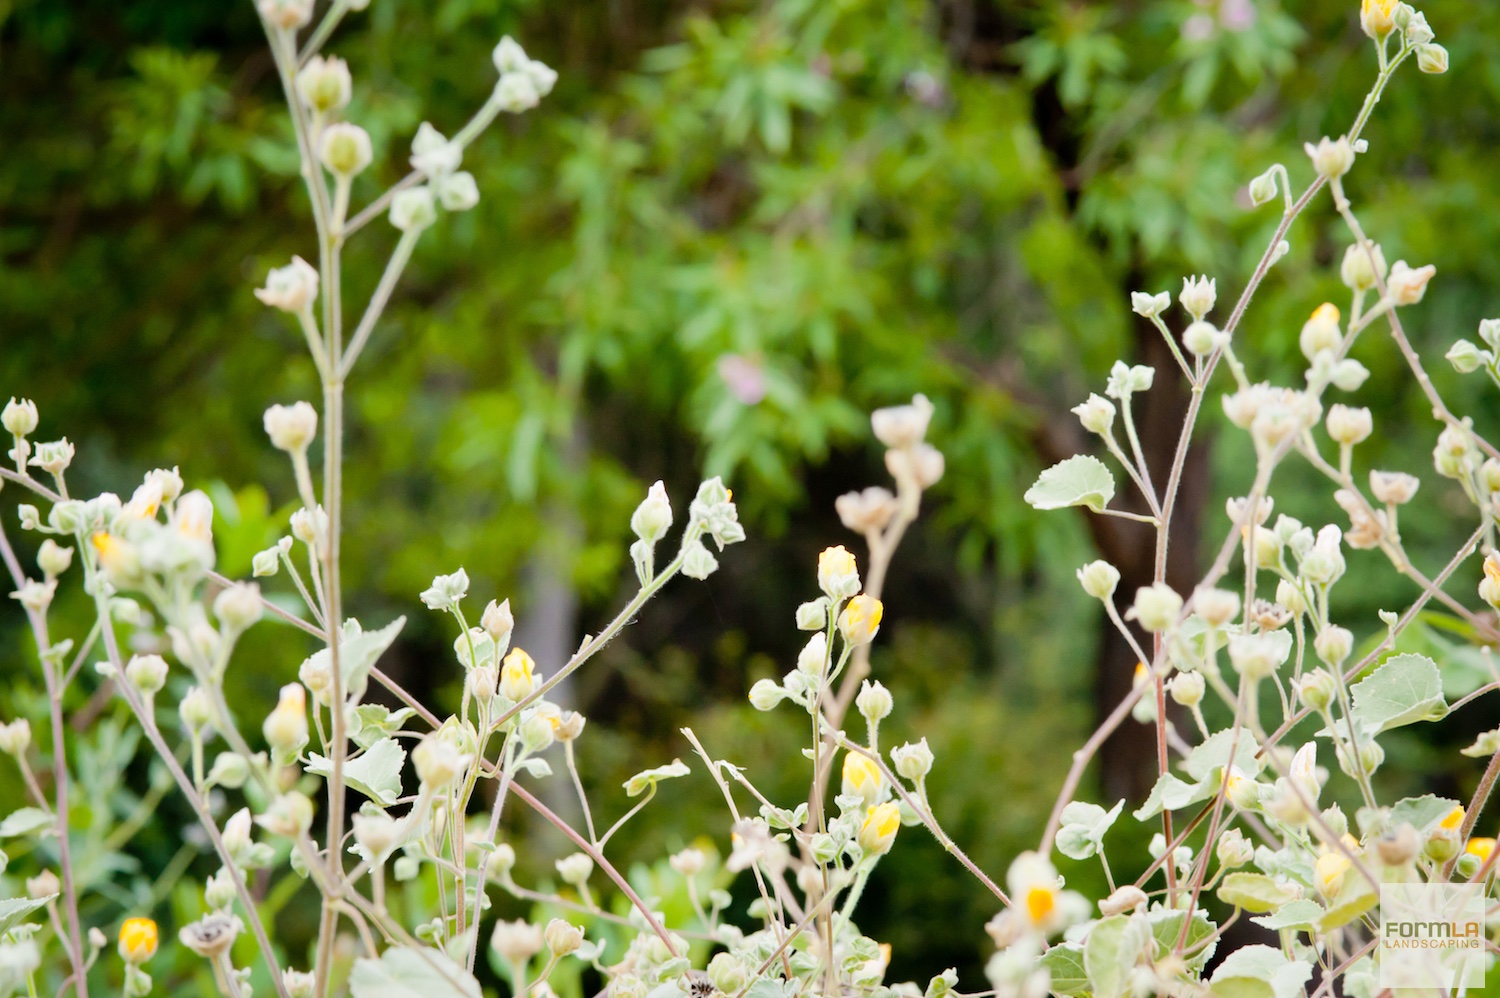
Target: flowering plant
pixel 356 798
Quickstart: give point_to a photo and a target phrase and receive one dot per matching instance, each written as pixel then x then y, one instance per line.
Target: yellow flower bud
pixel 838 574
pixel 862 777
pixel 860 620
pixel 517 676
pixel 285 727
pixel 879 828
pixel 138 939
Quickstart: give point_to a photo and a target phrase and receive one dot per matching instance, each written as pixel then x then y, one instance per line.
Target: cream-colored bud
pixel 289 815
pixel 1407 285
pixel 1333 644
pixel 1393 487
pixel 292 288
pixel 901 426
pixel 765 694
pixel 688 862
pixel 813 658
pixel 913 761
pixel 238 606
pixel 1316 689
pixel 53 559
pixel 497 620
pixel 1349 425
pixel 1198 296
pixel 413 209
pixel 1127 898
pixel 866 511
pixel 562 937
pixel 324 84
pixel 575 869
pixel 196 709
pixel 1432 58
pixel 1321 331
pixel 1156 607
pixel 345 149
pixel 438 762
pixel 1233 849
pixel 653 517
pixel 874 701
pixel 1331 158
pixel 516 942
pixel 377 833
pixel 237 835
pixel 1217 607
pixel 1201 338
pixel 1097 414
pixel 1356 270
pixel 285 726
pixel 1186 688
pixel 15 737
pixel 147 673
pixel 291 427
pixel 19 417
pixel 483 681
pixel 1099 579
pixel 922 465
pixel 44 884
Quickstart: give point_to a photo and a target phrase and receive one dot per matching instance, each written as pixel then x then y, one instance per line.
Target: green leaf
pixel 1404 690
pixel 1213 754
pixel 1110 952
pixel 376 721
pixel 376 773
pixel 24 822
pixel 1260 971
pixel 1171 794
pixel 1065 963
pixel 1357 897
pixel 1255 892
pixel 1302 914
pixel 358 650
pixel 1081 480
pixel 405 972
pixel 1421 812
pixel 14 911
pixel 641 782
pixel 1081 833
pixel 1166 926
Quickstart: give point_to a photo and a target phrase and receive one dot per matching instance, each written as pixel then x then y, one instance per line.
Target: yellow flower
pixel 1041 902
pixel 1142 675
pixel 285 727
pixel 1455 817
pixel 861 776
pixel 879 829
pixel 860 620
pixel 838 573
pixel 1326 312
pixel 1481 847
pixel 517 676
pixel 1377 17
pixel 138 940
pixel 1329 871
pixel 117 557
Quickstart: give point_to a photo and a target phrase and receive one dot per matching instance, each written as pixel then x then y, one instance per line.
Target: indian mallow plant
pixel 1265 800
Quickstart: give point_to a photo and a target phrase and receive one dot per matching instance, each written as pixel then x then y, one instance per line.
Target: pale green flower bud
pixel 1356 271
pixel 575 869
pixel 1332 159
pixel 433 155
pixel 765 694
pixel 301 983
pixel 438 762
pixel 237 836
pixel 1149 305
pixel 15 737
pixel 1333 645
pixel 230 770
pixel 1201 338
pixel 517 92
pixel 813 615
pixel 698 562
pixel 653 516
pixel 874 701
pixel 413 209
pixel 1198 296
pixel 147 673
pixel 53 559
pixel 345 149
pixel 1233 849
pixel 1432 58
pixel 913 761
pixel 266 563
pixel 727 973
pixel 537 733
pixel 562 937
pixel 1263 188
pixel 219 891
pixel 1349 425
pixel 1156 607
pixel 289 815
pixel 238 606
pixel 1217 607
pixel 1466 358
pixel 19 417
pixel 1316 689
pixel 1186 688
pixel 324 84
pixel 1099 579
pixel 814 655
pixel 55 457
pixel 196 709
pixel 1442 844
pixel 1097 414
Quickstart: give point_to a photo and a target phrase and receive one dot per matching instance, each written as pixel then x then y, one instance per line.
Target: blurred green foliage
pixel 733 230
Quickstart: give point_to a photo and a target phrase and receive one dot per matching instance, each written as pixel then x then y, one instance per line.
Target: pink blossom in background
pixel 744 378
